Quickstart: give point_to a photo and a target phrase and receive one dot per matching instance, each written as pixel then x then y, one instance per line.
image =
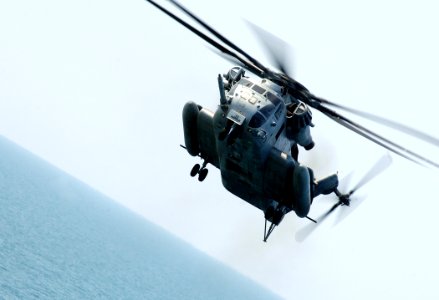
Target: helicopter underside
pixel 274 180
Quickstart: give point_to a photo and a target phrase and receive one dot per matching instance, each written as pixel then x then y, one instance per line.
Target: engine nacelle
pixel 288 183
pixel 301 191
pixel 190 116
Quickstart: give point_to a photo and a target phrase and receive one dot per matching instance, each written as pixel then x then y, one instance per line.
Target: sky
pixel 97 88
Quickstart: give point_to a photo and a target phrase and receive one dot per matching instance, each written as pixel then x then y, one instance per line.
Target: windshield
pixel 273 98
pixel 257 120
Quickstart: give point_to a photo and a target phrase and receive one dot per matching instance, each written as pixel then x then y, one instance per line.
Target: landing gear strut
pixel 201 171
pixel 274 215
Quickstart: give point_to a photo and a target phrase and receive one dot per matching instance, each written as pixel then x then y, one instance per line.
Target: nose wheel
pixel 201 171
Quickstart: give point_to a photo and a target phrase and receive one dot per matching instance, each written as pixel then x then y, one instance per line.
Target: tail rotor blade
pixel 346 211
pixel 306 231
pixel 382 164
pixel 345 182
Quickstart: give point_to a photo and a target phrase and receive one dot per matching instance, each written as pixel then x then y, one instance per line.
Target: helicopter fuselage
pixel 254 134
pixel 250 138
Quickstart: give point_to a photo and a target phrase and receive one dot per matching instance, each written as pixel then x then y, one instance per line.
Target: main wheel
pixel 202 174
pixel 195 170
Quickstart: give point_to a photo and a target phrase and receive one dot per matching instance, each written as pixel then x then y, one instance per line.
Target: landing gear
pixel 201 171
pixel 274 215
pixel 195 170
pixel 202 174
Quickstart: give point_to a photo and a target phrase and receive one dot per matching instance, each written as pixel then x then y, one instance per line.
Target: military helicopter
pixel 253 137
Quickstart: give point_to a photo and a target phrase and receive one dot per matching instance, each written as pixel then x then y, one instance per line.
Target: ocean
pixel 61 239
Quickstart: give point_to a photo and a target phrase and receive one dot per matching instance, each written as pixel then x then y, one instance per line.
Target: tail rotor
pixel 344 199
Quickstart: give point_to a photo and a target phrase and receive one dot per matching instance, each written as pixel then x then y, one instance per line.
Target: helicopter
pixel 253 136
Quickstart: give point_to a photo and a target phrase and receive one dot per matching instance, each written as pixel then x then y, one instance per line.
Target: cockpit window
pixel 258 89
pixel 267 110
pixel 245 82
pixel 261 116
pixel 273 98
pixel 257 120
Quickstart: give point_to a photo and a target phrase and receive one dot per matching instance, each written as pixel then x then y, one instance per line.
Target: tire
pixel 202 174
pixel 195 170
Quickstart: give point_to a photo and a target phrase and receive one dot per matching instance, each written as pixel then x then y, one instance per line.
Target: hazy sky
pixel 97 88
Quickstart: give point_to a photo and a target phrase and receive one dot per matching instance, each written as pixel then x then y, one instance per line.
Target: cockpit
pixel 258 89
pixel 265 100
pixel 261 116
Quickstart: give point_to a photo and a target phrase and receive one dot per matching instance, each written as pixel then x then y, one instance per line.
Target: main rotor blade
pixel 293 87
pixel 264 72
pixel 219 36
pixel 386 122
pixel 231 59
pixel 370 135
pixel 250 63
pixel 275 47
pixel 257 71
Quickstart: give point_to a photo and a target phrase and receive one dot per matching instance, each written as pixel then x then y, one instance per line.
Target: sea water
pixel 60 239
